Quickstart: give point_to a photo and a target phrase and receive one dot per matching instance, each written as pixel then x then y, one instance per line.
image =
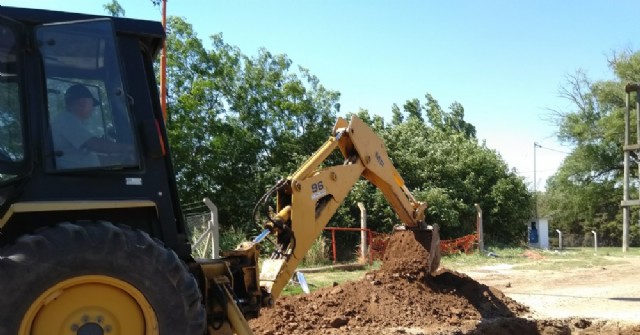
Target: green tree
pixel 238 123
pixel 449 122
pixel 444 165
pixel 114 8
pixel 396 115
pixel 586 191
pixel 452 172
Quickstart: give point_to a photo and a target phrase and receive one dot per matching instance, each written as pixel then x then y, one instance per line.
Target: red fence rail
pixel 333 239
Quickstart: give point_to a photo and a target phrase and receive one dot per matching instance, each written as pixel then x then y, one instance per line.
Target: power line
pixel 550 149
pixel 538 170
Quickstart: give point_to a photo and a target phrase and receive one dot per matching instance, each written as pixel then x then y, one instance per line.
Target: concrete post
pixel 560 238
pixel 363 232
pixel 479 228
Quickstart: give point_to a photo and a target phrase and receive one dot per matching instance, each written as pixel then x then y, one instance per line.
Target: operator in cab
pixel 75 146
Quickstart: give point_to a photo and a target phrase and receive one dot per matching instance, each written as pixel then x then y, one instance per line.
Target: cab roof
pixel 150 33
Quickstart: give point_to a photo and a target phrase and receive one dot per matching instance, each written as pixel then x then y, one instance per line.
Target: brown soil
pixel 407 252
pixel 401 298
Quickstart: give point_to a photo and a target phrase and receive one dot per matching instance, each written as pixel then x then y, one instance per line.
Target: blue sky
pixel 504 61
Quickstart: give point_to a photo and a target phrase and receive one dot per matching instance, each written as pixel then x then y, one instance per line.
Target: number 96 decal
pixel 317 190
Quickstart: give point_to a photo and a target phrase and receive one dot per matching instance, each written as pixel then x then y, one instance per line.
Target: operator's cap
pixel 79 91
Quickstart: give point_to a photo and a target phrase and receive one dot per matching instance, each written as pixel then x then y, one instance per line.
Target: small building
pixel 538 233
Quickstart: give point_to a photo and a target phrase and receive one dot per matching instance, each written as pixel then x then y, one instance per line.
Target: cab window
pixel 11 127
pixel 89 122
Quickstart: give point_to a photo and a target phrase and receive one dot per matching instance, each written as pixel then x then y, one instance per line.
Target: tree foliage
pixel 443 164
pixel 114 8
pixel 586 191
pixel 239 123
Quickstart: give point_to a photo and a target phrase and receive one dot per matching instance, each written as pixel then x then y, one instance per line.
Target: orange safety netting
pixel 460 244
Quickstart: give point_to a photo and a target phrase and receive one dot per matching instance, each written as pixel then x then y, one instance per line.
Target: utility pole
pixel 163 65
pixel 535 190
pixel 627 202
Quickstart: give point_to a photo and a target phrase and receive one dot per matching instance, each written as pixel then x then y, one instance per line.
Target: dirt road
pixel 609 292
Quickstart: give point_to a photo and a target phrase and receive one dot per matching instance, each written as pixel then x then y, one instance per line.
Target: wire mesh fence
pixel 197 226
pixel 197 219
pixel 581 240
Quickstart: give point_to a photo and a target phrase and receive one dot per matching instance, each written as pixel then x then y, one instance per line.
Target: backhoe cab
pixel 92 238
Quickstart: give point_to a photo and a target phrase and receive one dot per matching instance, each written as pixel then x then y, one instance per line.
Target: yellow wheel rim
pixel 90 305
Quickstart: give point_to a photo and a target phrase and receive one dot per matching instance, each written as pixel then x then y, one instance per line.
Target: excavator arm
pixel 308 198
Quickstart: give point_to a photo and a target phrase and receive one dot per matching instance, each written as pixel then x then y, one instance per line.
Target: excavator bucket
pixel 413 250
pixel 434 249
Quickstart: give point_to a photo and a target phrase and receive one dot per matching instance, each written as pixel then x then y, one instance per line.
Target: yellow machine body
pixel 313 194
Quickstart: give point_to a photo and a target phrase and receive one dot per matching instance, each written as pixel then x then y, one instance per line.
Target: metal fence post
pixel 213 228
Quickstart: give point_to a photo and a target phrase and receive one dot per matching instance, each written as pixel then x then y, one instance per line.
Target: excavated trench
pixel 401 298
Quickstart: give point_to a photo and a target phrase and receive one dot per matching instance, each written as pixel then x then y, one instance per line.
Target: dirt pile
pixel 401 298
pixel 401 294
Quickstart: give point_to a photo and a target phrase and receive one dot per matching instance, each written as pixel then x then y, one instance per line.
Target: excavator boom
pixel 308 198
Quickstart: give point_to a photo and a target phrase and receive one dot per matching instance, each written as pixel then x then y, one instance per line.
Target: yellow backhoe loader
pixel 92 236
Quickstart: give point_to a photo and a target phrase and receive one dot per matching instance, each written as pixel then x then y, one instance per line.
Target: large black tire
pixel 141 270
